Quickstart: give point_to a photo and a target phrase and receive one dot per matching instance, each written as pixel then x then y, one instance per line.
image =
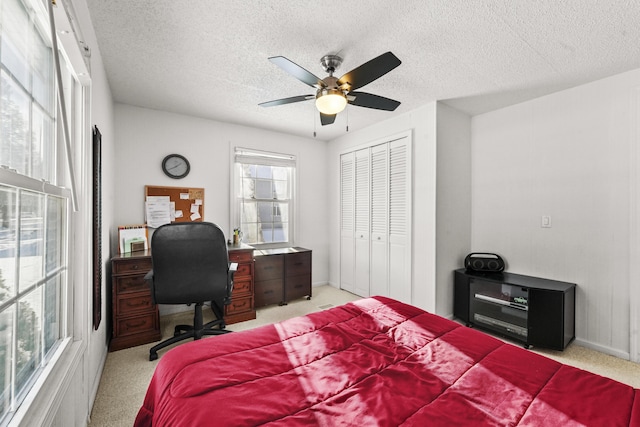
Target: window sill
pixel 41 404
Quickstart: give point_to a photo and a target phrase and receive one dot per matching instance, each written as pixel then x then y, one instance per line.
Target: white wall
pixel 102 117
pixel 453 201
pixel 567 155
pixel 144 137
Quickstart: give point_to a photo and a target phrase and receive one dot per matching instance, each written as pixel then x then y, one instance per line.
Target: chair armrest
pixel 149 276
pixel 233 267
pixel 149 279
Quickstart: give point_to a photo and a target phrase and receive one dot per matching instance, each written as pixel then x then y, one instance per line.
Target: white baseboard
pixel 603 349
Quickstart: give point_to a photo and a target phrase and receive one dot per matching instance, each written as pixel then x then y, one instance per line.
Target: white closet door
pixel 362 222
pixel 400 220
pixel 347 209
pixel 379 283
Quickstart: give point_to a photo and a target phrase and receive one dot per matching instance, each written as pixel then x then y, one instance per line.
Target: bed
pixel 375 362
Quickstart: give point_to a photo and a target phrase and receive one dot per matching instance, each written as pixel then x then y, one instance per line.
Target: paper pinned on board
pixel 158 211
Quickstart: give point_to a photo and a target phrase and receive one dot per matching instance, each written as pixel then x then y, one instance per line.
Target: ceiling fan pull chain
pixel 347 120
pixel 314 123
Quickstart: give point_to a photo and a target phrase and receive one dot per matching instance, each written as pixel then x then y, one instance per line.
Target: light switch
pixel 546 221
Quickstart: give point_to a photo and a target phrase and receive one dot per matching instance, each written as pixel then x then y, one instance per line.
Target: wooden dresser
pixel 135 319
pixel 282 275
pixel 242 305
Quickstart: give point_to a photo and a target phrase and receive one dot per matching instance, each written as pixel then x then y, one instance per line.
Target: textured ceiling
pixel 208 58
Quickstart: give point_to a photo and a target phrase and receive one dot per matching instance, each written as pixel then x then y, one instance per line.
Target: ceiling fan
pixel 333 94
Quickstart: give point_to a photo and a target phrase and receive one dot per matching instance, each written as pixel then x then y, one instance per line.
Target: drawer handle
pixel 239 305
pixel 298 286
pixel 135 266
pixel 268 267
pixel 135 325
pixel 268 292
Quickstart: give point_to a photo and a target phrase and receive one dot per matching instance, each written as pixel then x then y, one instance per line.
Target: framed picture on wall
pixel 97 227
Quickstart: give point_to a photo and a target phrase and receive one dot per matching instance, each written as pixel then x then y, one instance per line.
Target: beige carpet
pixel 127 372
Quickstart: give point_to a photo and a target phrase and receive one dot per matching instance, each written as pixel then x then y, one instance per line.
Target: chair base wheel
pixel 153 356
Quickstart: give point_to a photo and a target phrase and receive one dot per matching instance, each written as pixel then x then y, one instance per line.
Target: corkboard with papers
pixel 173 204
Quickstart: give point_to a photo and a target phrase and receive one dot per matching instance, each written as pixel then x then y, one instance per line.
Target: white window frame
pixel 242 155
pixel 42 401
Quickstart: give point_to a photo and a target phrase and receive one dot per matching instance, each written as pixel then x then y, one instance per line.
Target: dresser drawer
pixel 239 305
pixel 239 256
pixel 298 264
pixel 268 267
pixel 136 324
pixel 141 265
pixel 133 303
pixel 125 284
pixel 297 287
pixel 242 287
pixel 268 292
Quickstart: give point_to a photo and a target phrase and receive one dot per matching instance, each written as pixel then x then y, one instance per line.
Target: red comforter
pixel 375 362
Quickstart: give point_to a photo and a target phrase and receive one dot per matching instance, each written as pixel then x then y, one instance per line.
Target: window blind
pixel 255 157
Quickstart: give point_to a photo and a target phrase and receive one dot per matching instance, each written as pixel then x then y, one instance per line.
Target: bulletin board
pixel 184 199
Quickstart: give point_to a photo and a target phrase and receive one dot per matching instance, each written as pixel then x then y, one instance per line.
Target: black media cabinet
pixel 536 312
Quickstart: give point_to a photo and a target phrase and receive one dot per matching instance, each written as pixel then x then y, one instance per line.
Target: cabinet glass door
pixel 500 307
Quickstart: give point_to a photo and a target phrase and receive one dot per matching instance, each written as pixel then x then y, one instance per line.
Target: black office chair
pixel 190 265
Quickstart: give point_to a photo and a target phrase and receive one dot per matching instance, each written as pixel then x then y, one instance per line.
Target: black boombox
pixel 484 262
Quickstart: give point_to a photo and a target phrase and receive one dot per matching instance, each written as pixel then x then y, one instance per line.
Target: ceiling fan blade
pixel 297 71
pixel 286 100
pixel 327 119
pixel 368 100
pixel 369 71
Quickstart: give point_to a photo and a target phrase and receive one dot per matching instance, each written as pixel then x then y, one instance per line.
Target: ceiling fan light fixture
pixel 330 101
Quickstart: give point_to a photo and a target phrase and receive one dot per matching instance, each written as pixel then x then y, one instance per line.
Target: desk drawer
pixel 269 267
pixel 240 256
pixel 298 264
pixel 297 287
pixel 239 305
pixel 269 292
pixel 244 270
pixel 241 287
pixel 133 304
pixel 126 284
pixel 136 265
pixel 136 324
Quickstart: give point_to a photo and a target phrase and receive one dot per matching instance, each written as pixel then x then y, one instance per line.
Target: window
pixel 264 196
pixel 34 206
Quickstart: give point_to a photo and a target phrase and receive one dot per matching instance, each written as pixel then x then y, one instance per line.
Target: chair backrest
pixel 190 263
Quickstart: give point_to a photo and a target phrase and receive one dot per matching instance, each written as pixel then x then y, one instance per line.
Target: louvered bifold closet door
pixel 347 221
pixel 362 222
pixel 375 203
pixel 379 283
pixel 400 220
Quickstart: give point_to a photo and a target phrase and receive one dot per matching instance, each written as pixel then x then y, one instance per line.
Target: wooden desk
pixel 135 319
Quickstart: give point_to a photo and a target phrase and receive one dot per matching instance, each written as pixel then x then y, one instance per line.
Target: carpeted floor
pixel 127 372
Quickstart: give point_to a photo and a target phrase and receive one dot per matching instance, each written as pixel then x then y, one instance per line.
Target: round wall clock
pixel 176 166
